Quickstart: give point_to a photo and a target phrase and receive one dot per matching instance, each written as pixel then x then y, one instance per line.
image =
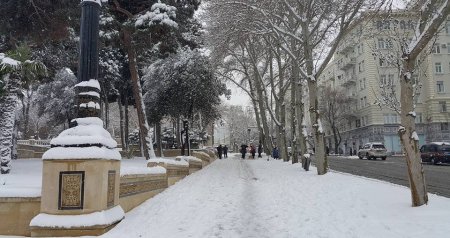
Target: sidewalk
pixel 260 198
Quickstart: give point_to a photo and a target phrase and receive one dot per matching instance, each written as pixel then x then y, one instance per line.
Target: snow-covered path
pixel 259 198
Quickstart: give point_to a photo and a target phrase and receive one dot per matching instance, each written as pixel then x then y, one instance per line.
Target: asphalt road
pixel 393 170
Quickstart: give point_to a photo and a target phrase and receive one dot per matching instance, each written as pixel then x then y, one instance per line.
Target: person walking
pixel 275 153
pixel 260 150
pixel 252 151
pixel 243 150
pixel 225 151
pixel 219 151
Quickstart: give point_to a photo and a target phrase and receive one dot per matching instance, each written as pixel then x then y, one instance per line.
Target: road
pixel 393 170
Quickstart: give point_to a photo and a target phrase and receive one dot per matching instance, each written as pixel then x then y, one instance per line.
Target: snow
pixel 26 177
pixel 24 180
pixel 4 60
pixel 93 152
pixel 92 83
pixel 260 198
pixel 441 143
pixel 414 136
pixel 99 2
pixel 142 170
pixel 169 161
pixel 105 217
pixel 188 158
pixel 159 13
pixel 94 105
pixel 89 121
pixel 85 134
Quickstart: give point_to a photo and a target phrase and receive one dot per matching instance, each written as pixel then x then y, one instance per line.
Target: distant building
pixel 358 69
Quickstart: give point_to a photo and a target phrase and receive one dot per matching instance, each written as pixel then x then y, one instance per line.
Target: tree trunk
pixel 145 137
pixel 409 138
pixel 300 117
pixel 319 143
pixel 121 122
pixel 107 114
pixel 336 139
pixel 126 129
pixel 159 139
pixel 7 123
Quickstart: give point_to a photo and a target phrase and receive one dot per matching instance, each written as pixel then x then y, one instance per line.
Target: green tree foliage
pixel 182 85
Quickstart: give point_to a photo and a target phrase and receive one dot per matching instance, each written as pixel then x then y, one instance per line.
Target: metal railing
pixel 43 143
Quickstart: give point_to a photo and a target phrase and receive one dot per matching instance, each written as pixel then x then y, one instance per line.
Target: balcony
pixel 350 81
pixel 347 63
pixel 347 46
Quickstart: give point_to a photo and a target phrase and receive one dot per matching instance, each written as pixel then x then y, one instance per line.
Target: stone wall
pixel 16 213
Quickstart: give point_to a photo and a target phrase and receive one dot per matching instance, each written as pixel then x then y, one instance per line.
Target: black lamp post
pixel 88 92
pixel 186 131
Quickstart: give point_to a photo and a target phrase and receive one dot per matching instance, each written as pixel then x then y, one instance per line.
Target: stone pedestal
pixel 76 194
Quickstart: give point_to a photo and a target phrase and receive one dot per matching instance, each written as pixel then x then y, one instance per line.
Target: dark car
pixel 435 153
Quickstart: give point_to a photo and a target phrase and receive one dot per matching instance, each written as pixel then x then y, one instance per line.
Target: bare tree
pixel 432 14
pixel 335 106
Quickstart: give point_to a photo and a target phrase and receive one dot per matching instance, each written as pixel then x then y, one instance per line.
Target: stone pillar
pixel 81 173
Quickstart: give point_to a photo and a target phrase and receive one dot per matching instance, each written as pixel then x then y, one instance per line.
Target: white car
pixel 373 150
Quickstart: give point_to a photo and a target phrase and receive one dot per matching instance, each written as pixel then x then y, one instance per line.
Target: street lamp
pixel 248 130
pixel 186 130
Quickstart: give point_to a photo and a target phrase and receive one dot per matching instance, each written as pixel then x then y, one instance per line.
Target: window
pixel 443 106
pixel 393 119
pixel 437 68
pixel 448 48
pixel 447 28
pixel 402 25
pixel 364 83
pixel 361 84
pixel 440 86
pixel 365 101
pixel 444 126
pixel 389 44
pixel 386 24
pixel 381 44
pixel 418 118
pixel 363 121
pixel 390 79
pixel 382 63
pixel 361 66
pixel 361 102
pixel 386 118
pixel 379 25
pixel 383 79
pixel 436 49
pixel 358 123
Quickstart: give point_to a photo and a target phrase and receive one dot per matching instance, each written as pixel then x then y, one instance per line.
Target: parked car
pixel 373 150
pixel 435 153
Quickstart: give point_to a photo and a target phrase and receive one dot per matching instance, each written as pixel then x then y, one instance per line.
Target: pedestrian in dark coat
pixel 225 151
pixel 219 151
pixel 260 150
pixel 275 153
pixel 252 151
pixel 243 150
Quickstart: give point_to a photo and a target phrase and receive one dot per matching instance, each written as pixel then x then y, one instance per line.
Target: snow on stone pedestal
pixel 81 180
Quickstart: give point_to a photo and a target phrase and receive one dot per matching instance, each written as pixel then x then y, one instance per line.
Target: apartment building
pixel 366 67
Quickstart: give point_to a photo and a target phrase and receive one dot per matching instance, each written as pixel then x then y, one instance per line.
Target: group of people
pixel 252 150
pixel 222 150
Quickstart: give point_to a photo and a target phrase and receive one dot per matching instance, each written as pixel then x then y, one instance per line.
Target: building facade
pixel 366 66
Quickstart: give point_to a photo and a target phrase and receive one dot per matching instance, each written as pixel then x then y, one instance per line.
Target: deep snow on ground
pixel 260 198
